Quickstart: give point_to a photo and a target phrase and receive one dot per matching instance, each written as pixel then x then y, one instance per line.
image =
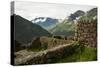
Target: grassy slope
pixel 77 53
pixel 64 28
pixel 92 13
pixel 82 53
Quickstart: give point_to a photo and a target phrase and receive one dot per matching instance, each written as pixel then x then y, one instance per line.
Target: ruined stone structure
pixel 87 32
pixel 43 57
pixel 47 42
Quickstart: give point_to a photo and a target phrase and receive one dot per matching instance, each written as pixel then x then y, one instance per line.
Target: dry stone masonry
pixel 87 32
pixel 47 56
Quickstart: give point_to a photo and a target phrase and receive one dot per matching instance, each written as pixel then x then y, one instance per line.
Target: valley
pixel 45 40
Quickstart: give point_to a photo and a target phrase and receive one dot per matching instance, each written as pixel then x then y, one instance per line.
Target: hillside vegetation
pixel 65 28
pixel 80 53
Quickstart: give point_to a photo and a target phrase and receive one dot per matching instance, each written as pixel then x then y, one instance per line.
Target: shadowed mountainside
pixel 25 30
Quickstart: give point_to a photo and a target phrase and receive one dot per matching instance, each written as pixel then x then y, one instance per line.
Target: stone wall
pixel 44 57
pixel 48 42
pixel 87 32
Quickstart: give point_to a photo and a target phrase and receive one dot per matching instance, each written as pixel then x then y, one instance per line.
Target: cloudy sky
pixel 30 10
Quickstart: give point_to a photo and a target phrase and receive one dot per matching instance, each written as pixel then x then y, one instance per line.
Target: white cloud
pixel 30 10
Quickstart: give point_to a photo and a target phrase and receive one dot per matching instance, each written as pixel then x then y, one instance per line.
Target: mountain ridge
pixel 25 30
pixel 45 22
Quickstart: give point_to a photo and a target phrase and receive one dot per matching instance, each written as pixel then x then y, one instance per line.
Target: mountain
pixel 91 14
pixel 25 30
pixel 45 22
pixel 75 15
pixel 65 28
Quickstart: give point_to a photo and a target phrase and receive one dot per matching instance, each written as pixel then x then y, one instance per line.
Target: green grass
pixel 78 52
pixel 82 53
pixel 64 28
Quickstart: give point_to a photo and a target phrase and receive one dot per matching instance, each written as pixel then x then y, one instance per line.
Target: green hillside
pixel 80 53
pixel 25 30
pixel 65 28
pixel 77 53
pixel 91 14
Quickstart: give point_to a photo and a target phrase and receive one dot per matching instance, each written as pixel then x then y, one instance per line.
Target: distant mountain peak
pixel 42 19
pixel 45 22
pixel 39 19
pixel 75 15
